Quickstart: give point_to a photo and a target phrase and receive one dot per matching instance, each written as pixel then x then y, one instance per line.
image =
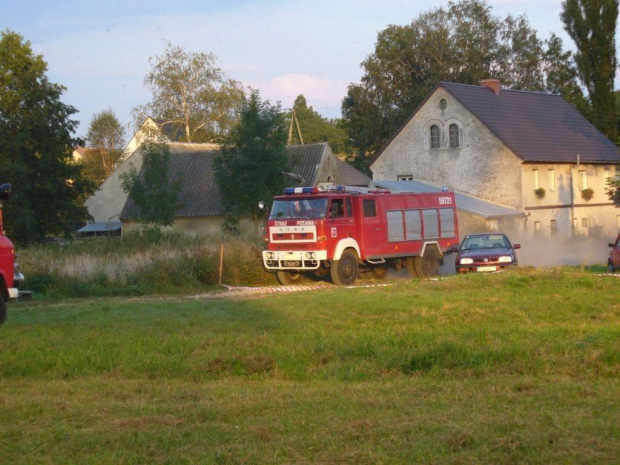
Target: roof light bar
pixel 301 190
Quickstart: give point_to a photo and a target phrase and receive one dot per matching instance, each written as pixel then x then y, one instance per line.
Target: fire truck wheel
pixel 287 278
pixel 427 265
pixel 2 310
pixel 411 268
pixel 379 272
pixel 344 271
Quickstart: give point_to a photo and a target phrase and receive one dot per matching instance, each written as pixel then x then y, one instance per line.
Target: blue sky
pixel 100 50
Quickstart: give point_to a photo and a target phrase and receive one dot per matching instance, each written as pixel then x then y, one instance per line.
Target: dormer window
pixel 435 137
pixel 454 136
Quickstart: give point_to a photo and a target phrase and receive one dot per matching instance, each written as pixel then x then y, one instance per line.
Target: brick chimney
pixel 492 84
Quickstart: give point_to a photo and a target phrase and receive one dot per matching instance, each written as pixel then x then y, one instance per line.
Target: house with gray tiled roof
pixel 527 151
pixel 202 212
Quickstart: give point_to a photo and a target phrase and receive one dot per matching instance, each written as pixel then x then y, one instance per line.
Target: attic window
pixel 435 136
pixel 443 104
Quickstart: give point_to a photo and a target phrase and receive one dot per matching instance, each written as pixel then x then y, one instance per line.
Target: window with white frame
pixel 583 180
pixel 536 179
pixel 454 136
pixel 435 137
pixel 551 180
pixel 554 227
pixel 537 227
pixel 584 222
pixel 405 177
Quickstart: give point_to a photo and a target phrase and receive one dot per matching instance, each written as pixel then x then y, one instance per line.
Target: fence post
pixel 221 263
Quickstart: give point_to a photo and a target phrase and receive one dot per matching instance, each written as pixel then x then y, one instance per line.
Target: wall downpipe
pixel 572 195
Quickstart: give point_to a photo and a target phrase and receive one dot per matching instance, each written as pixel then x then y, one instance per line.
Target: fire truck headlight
pixel 466 261
pixel 270 255
pixel 505 259
pixel 310 255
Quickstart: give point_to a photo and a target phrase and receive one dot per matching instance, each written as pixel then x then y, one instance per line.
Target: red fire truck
pixel 10 275
pixel 344 232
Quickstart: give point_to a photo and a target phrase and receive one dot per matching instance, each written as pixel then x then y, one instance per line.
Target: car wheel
pixel 288 278
pixel 610 268
pixel 344 271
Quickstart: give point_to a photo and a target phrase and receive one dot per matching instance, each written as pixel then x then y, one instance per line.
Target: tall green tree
pixel 617 100
pixel 592 26
pixel 36 144
pixel 463 42
pixel 252 162
pixel 613 183
pixel 315 128
pixel 91 169
pixel 107 135
pixel 154 190
pixel 561 75
pixel 190 90
pixel 613 190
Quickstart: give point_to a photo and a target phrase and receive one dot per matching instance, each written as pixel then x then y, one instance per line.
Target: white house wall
pixel 148 131
pixel 327 170
pixel 108 201
pixel 563 210
pixel 467 168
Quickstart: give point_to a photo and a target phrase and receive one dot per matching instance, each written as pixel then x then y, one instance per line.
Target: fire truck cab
pixel 345 232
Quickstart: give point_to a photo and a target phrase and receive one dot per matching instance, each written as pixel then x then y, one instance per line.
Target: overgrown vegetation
pixel 517 367
pixel 155 263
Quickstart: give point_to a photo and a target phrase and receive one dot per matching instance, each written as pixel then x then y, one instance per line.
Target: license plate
pixel 482 269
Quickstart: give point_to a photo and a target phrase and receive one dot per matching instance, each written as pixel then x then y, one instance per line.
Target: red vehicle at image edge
pixel 10 276
pixel 343 232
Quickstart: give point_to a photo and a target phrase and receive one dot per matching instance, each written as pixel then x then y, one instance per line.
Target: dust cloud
pixel 560 251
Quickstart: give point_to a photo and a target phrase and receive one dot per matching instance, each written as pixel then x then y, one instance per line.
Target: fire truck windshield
pixel 298 208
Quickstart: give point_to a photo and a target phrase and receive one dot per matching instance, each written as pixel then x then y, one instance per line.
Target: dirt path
pixel 242 291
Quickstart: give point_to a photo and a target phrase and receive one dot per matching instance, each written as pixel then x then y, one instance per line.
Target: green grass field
pixel 518 367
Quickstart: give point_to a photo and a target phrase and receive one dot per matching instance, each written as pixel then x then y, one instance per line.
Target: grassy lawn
pixel 519 367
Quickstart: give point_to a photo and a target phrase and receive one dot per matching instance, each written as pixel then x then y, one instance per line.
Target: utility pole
pixel 290 128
